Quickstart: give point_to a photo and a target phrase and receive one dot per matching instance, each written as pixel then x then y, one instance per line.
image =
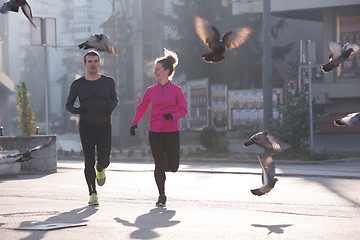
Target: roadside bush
pixel 208 138
pixel 293 126
pixel 26 116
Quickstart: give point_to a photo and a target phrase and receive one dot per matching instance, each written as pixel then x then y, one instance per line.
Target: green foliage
pixel 241 68
pixel 210 139
pixel 26 115
pixel 222 145
pixel 293 127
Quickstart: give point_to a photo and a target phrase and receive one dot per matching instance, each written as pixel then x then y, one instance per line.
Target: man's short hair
pixel 91 53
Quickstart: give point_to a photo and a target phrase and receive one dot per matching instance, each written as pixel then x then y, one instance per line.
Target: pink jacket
pixel 168 98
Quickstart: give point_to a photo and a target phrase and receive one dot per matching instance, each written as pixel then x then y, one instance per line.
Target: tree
pixel 293 128
pixel 26 115
pixel 242 68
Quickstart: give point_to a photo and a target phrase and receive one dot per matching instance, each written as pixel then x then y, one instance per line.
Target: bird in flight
pixel 26 156
pixel 210 35
pixel 349 120
pixel 339 54
pixel 99 42
pixel 264 140
pixel 268 176
pixel 13 5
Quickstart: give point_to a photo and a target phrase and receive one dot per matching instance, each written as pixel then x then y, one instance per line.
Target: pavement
pixel 207 200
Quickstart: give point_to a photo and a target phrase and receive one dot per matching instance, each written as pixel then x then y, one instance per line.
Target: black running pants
pixel 99 137
pixel 165 148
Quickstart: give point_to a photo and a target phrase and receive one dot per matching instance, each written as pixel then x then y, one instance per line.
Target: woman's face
pixel 160 73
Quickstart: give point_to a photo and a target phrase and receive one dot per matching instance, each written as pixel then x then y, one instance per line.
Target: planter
pixel 44 161
pixel 8 166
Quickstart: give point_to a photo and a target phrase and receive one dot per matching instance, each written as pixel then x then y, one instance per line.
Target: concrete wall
pixel 44 161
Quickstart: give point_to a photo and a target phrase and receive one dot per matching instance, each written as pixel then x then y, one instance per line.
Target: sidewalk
pixel 344 143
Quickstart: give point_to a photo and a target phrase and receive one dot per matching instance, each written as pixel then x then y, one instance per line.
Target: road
pixel 205 201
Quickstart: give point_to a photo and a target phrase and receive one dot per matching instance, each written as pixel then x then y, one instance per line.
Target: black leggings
pixel 165 148
pixel 91 136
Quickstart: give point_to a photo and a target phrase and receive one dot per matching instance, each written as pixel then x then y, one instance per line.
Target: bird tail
pixel 212 58
pixel 256 192
pixel 328 67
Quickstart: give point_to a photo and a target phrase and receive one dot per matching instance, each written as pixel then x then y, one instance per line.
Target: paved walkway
pixel 331 143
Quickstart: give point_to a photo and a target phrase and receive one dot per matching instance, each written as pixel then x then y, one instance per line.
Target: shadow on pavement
pixel 23 177
pixel 75 216
pixel 273 228
pixel 332 188
pixel 148 222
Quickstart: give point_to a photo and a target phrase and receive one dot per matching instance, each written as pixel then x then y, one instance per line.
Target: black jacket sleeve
pixel 113 95
pixel 73 94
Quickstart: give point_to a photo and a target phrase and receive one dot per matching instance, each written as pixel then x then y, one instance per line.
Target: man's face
pixel 92 64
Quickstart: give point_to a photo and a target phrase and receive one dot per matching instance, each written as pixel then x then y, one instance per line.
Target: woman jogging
pixel 168 105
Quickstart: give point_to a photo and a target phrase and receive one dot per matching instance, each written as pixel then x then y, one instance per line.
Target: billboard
pixel 219 107
pixel 198 99
pixel 245 110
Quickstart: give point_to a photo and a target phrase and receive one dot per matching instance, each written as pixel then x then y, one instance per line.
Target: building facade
pixel 337 90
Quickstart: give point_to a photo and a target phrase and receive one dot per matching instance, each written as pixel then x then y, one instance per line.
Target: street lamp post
pixel 307 57
pixel 267 64
pixel 44 36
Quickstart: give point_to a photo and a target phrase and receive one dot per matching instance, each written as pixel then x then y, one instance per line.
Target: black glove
pixel 132 130
pixel 82 110
pixel 107 111
pixel 168 116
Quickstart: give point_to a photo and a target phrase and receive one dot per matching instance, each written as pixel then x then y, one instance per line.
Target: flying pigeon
pixel 264 140
pixel 268 176
pixel 13 5
pixel 211 37
pixel 349 120
pixel 26 156
pixel 339 55
pixel 99 42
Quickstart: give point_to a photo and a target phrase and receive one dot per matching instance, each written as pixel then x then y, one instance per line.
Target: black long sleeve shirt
pixel 97 97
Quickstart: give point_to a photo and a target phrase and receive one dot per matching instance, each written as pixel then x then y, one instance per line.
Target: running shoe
pixel 161 201
pixel 93 199
pixel 100 176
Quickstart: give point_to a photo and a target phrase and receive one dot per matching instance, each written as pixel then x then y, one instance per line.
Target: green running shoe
pixel 100 176
pixel 93 199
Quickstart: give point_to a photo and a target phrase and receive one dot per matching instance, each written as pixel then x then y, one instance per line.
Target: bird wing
pixel 264 174
pixel 108 46
pixel 236 37
pixel 335 49
pixel 10 6
pixel 206 31
pixel 351 119
pixel 10 155
pixel 269 166
pixel 43 145
pixel 354 47
pixel 275 145
pixel 27 12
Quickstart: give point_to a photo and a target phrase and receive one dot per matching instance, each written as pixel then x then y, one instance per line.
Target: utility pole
pixel 267 65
